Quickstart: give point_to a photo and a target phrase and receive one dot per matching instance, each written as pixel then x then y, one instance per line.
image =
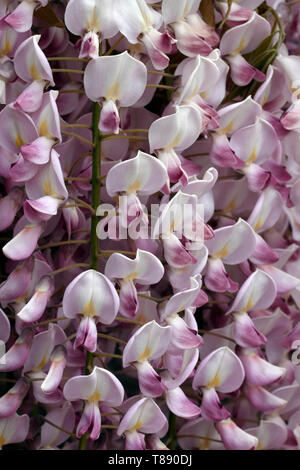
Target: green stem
pixel 172 433
pixel 96 175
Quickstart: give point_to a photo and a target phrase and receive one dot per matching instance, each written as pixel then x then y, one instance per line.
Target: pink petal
pixel 235 438
pixel 180 405
pixel 221 369
pixel 17 355
pixel 211 408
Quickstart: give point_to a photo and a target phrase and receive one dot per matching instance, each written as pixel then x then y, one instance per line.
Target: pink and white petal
pixel 238 115
pixel 30 99
pixel 150 341
pixel 82 15
pixel 263 253
pixel 21 17
pixel 235 438
pixel 181 366
pixel 47 118
pixel 112 77
pixel 109 118
pixel 9 206
pixel 17 355
pixel 182 336
pixel 31 63
pixel 149 268
pixel 49 180
pixel 86 334
pixel 258 371
pixel 129 303
pixel 134 441
pixel 38 151
pixel 240 70
pixel 181 300
pixel 36 306
pixel 173 12
pixel 91 292
pixel 176 255
pixel 40 210
pixel 147 414
pixel 153 41
pixel 90 421
pixel 15 428
pixel 246 36
pixel 221 369
pixel 257 293
pixel 180 405
pixel 262 399
pixel 234 243
pixel 257 177
pixel 245 333
pixel 216 277
pixel 284 282
pixel 221 153
pixel 16 129
pixel 178 130
pixel 81 387
pixel 211 407
pixel 271 433
pixel 12 400
pixel 248 142
pixel 150 382
pixel 109 387
pixel 24 243
pixel 55 373
pixel 143 174
pixel 22 171
pixel 266 211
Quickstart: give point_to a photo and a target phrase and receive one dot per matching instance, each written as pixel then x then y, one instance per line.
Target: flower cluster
pixel 176 123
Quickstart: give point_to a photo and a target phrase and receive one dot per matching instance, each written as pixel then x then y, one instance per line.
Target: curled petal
pixel 150 382
pixel 182 336
pixel 109 118
pixel 262 399
pixel 148 343
pixel 17 355
pixel 30 99
pixel 87 334
pixel 258 371
pixel 23 244
pixel 35 308
pixel 54 376
pixel 11 401
pixel 245 333
pixel 211 408
pixel 216 277
pixel 21 18
pixel 235 438
pixel 180 405
pixel 90 421
pixel 31 63
pixel 128 299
